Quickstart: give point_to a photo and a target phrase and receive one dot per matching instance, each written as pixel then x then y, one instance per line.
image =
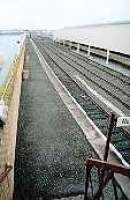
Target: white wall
pixel 115 37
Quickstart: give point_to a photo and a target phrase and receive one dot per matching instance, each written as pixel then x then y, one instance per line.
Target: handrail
pixel 116 168
pixel 105 173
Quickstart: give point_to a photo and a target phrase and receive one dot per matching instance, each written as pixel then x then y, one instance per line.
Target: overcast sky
pixel 55 14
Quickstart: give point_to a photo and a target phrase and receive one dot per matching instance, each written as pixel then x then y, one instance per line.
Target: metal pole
pixel 88 171
pixel 110 128
pixel 103 178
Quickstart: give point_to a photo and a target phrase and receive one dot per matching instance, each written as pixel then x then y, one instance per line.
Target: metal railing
pixel 105 174
pixel 105 171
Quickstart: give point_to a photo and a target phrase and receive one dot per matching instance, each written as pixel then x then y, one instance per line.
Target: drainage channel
pixel 120 139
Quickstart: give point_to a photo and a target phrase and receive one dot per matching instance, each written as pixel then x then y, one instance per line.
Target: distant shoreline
pixel 10 33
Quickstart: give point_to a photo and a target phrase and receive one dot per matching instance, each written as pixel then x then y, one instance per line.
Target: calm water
pixel 8 50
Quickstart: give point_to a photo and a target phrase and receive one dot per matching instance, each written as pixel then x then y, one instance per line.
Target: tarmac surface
pixel 51 148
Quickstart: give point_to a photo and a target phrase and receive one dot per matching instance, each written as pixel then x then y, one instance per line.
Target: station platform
pixel 51 147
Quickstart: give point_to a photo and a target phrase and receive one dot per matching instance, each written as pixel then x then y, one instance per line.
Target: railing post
pixel 88 171
pixel 70 44
pixel 108 53
pixel 89 51
pixel 78 47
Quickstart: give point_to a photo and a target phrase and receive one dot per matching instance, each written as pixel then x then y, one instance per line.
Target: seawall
pixel 11 95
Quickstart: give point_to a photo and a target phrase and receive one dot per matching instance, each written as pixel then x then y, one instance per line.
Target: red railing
pixel 106 173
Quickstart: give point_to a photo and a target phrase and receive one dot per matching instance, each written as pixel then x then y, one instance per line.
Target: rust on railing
pixel 116 168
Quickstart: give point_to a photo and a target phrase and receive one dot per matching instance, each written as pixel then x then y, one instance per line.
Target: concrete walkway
pixel 51 148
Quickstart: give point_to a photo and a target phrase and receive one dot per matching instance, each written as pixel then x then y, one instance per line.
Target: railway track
pixel 94 64
pixel 120 138
pixel 115 89
pixel 115 82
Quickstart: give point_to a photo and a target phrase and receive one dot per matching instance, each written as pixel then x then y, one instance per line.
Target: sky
pixel 56 14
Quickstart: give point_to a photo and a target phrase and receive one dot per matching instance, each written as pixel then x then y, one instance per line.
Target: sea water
pixel 9 45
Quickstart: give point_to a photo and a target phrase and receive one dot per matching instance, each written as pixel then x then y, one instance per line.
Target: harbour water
pixel 9 45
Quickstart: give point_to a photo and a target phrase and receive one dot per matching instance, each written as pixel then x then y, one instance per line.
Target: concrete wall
pixel 8 134
pixel 115 37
